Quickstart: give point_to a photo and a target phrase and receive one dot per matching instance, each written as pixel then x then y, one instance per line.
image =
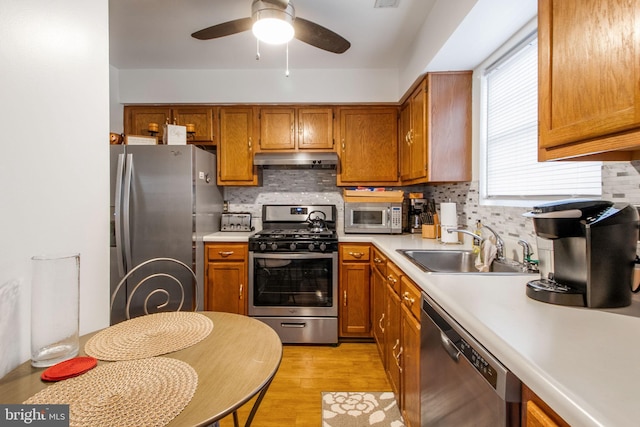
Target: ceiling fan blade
pixel 319 36
pixel 224 29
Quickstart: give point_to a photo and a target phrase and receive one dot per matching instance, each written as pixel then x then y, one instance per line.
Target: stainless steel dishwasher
pixel 462 384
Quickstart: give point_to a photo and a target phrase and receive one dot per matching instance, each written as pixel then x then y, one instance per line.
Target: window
pixel 510 170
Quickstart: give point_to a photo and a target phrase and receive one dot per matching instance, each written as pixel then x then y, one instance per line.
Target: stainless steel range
pixel 293 273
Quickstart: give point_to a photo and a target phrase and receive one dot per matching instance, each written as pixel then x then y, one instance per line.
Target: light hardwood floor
pixel 294 398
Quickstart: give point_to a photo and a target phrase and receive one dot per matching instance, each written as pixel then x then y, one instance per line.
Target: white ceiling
pixel 156 34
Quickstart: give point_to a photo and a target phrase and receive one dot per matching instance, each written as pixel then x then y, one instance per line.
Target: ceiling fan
pixel 278 12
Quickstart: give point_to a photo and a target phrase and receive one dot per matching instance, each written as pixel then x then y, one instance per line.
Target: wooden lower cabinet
pixel 354 288
pixel 410 363
pixel 225 286
pixel 378 305
pixel 536 413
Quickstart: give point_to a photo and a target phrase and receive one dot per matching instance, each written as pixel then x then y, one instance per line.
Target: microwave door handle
pixel 388 217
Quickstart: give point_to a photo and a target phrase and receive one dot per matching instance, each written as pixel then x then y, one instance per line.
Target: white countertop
pixel 582 362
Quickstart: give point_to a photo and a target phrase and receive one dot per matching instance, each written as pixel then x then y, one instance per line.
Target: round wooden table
pixel 235 362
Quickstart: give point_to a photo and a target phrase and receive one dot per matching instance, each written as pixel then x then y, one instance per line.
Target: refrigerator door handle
pixel 126 211
pixel 118 214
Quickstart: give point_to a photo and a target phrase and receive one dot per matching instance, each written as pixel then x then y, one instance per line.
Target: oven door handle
pixel 292 255
pixel 293 325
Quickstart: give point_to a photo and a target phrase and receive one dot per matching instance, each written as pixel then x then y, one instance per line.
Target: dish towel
pixel 486 255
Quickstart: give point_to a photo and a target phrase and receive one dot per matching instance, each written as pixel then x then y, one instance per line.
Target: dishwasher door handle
pixel 451 349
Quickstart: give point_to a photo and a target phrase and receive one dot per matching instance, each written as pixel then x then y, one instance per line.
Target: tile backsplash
pixel 620 183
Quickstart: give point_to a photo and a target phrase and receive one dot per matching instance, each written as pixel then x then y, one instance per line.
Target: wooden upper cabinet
pixel 368 146
pixel 137 119
pixel 436 121
pixel 589 79
pixel 315 128
pixel 203 120
pixel 296 128
pixel 277 128
pixel 238 130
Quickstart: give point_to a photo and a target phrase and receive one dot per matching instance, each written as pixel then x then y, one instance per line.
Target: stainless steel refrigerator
pixel 164 199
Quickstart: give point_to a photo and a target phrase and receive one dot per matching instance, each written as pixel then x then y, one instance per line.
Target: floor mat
pixel 360 409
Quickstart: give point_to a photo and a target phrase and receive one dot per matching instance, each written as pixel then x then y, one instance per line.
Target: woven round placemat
pixel 150 335
pixel 143 392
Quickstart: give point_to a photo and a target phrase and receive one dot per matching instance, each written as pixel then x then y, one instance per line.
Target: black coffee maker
pixel 594 249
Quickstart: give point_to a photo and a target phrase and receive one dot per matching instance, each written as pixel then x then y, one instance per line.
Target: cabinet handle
pixel 250 144
pixel 391 279
pixel 356 254
pixel 397 356
pixel 408 299
pixel 377 260
pixel 225 253
pixel 345 298
pixel 343 146
pixel 241 290
pixel 380 323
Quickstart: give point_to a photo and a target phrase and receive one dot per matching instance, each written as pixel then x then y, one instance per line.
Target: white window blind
pixel 512 169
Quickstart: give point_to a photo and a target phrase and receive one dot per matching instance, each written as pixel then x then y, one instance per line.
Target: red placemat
pixel 69 368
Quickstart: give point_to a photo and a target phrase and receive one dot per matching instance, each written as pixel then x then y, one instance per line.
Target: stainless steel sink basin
pixel 456 261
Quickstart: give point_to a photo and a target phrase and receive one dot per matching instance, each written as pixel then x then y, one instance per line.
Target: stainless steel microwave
pixel 375 217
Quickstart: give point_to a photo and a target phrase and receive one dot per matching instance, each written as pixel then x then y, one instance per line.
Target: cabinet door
pixel 235 149
pixel 277 128
pixel 404 141
pixel 589 68
pixel 378 312
pixel 315 128
pixel 394 346
pixel 226 287
pixel 410 381
pixel 418 132
pixel 355 319
pixel 368 146
pixel 203 120
pixel 137 119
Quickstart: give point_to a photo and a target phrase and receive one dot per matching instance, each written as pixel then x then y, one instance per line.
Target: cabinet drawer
pixel 226 251
pixel 411 296
pixel 379 261
pixel 354 252
pixel 393 277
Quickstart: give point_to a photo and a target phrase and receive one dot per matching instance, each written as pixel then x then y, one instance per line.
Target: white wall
pixel 54 115
pixel 259 86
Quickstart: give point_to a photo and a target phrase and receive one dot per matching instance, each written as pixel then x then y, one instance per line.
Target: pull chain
pixel 257 49
pixel 286 73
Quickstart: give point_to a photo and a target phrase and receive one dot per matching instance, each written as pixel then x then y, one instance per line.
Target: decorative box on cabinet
pixel 589 96
pixel 225 287
pixel 354 298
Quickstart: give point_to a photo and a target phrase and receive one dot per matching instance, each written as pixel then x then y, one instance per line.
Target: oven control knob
pixel 311 247
pixel 292 246
pixel 263 246
pixel 323 247
pixel 274 246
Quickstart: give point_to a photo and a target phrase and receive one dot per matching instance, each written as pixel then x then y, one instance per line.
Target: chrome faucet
pixel 499 242
pixel 528 264
pixel 477 240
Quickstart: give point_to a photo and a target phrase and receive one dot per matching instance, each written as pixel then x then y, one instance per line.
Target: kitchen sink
pixel 456 261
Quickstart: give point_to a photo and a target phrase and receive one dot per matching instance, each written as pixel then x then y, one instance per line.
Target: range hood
pixel 297 159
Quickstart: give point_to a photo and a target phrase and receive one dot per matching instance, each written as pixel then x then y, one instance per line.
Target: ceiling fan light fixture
pixel 271 24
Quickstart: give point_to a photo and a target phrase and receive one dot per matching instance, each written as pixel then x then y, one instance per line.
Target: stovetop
pixel 286 228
